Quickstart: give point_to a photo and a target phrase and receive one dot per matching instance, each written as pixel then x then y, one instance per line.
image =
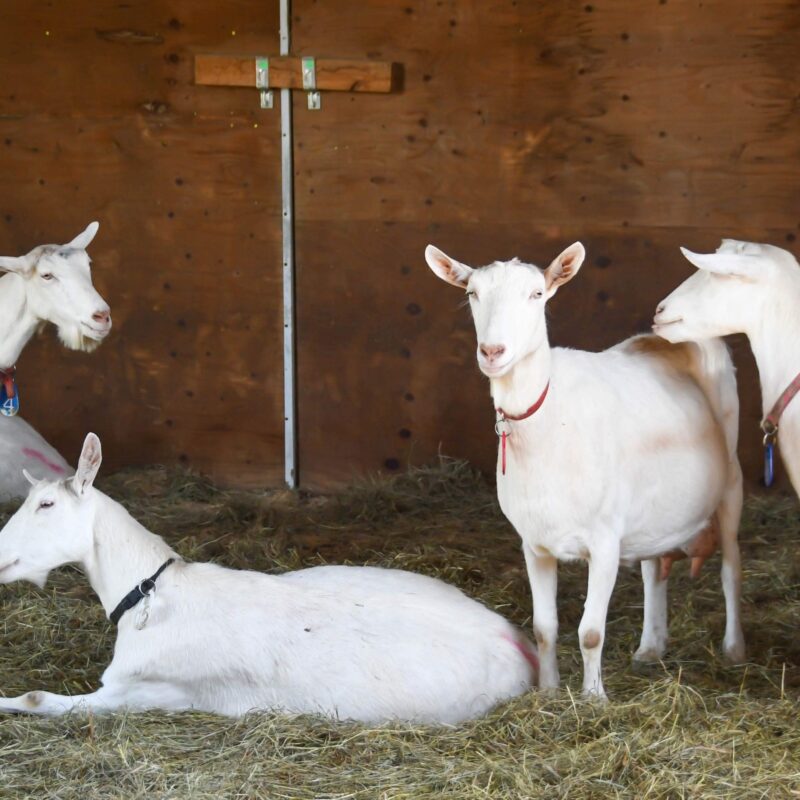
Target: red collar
pixel 770 423
pixel 536 406
pixel 7 379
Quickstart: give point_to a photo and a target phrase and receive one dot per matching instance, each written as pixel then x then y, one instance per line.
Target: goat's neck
pixel 17 321
pixel 516 391
pixel 775 341
pixel 124 553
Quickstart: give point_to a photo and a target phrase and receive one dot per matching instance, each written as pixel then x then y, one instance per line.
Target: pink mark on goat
pixel 528 652
pixel 41 457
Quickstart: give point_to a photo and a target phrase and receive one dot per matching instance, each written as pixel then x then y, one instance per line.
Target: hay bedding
pixel 692 727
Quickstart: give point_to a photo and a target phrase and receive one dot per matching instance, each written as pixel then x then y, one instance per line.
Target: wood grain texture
pixel 414 390
pixel 521 127
pixel 560 114
pixel 186 185
pixel 285 72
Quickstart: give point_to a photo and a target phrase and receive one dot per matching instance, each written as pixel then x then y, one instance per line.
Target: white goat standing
pixel 753 289
pixel 358 643
pixel 618 456
pixel 52 283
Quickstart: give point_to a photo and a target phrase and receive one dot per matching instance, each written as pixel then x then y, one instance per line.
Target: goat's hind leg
pixel 729 514
pixel 134 697
pixel 653 643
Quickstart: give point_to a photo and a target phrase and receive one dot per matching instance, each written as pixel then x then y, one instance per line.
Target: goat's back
pixel 708 363
pixel 359 643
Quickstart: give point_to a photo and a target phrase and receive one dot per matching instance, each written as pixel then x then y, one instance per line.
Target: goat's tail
pixel 717 377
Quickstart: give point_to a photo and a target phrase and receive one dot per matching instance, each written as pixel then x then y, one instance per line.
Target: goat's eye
pixel 537 295
pixel 47 276
pixel 472 294
pixel 46 504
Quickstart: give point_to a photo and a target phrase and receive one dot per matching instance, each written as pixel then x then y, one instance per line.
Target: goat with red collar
pixel 614 457
pixel 753 289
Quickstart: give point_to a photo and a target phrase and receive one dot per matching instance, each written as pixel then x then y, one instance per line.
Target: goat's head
pixel 58 289
pixel 728 292
pixel 507 299
pixel 54 525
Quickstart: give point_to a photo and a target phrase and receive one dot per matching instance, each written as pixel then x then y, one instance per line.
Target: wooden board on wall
pixel 523 127
pixel 99 120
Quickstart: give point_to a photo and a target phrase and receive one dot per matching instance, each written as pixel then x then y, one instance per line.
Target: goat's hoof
pixel 648 655
pixel 734 653
pixel 596 698
pixel 646 668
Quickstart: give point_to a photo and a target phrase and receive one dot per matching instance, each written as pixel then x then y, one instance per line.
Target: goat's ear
pixel 446 268
pixel 21 265
pixel 83 240
pixel 564 267
pixel 89 463
pixel 725 263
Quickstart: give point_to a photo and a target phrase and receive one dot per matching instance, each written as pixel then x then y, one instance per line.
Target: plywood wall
pixel 99 120
pixel 633 126
pixel 521 127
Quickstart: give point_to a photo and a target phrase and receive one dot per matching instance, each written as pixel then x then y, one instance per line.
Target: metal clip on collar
pixel 148 589
pixel 502 428
pixel 770 431
pixel 770 438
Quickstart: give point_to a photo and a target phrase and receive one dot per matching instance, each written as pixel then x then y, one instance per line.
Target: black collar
pixel 137 594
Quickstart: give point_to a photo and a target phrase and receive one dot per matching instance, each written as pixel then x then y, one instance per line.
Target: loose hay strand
pixel 690 727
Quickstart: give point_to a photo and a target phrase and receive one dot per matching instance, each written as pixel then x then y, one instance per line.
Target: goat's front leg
pixel 135 697
pixel 603 566
pixel 653 643
pixel 543 576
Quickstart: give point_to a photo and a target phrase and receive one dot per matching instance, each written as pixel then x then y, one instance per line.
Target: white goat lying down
pixel 619 456
pixel 753 289
pixel 52 283
pixel 23 448
pixel 358 643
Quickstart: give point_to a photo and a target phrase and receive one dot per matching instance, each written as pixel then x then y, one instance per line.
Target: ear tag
pixel 9 396
pixel 143 614
pixel 769 464
pixel 503 433
pixel 770 438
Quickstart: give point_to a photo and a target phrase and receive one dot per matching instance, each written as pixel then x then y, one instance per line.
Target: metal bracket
pixel 310 83
pixel 262 82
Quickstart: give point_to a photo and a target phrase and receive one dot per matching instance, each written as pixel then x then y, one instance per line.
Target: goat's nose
pixel 660 308
pixel 102 316
pixel 492 351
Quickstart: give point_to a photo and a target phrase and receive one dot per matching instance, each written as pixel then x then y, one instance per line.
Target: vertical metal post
pixel 287 190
